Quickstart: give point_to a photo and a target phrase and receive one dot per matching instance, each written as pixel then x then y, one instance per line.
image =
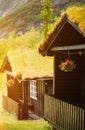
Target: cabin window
pixel 33 89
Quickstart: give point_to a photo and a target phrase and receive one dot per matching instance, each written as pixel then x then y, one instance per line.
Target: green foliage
pixel 26 125
pixel 75 3
pixel 46 14
pixel 46 11
pixel 29 40
pixel 23 53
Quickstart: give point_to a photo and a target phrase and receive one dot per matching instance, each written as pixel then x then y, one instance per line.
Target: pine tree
pixel 46 14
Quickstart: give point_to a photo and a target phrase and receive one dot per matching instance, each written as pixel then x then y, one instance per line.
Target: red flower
pixel 67 62
pixel 67 66
pixel 59 66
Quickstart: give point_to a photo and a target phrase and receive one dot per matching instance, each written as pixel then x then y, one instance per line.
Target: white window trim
pixel 33 89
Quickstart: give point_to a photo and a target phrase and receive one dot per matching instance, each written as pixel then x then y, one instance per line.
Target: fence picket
pixel 65 115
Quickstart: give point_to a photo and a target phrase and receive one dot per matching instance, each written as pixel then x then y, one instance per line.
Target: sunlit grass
pixel 25 125
pixel 10 122
pixel 30 63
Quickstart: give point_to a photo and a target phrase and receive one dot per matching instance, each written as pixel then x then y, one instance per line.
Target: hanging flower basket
pixel 67 66
pixel 10 82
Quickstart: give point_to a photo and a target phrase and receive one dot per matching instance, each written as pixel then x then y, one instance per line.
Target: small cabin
pixel 65 109
pixel 33 91
pixel 25 93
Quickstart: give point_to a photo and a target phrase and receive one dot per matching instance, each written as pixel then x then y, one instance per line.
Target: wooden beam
pixel 9 72
pixel 73 47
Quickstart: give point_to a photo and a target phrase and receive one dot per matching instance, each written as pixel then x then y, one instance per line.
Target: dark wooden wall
pixel 49 86
pixel 38 104
pixel 83 77
pixel 14 92
pixel 67 85
pixel 23 100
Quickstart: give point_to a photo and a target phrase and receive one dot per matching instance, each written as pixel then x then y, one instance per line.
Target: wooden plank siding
pixel 38 104
pixel 63 115
pixel 43 86
pixel 14 92
pixel 67 85
pixel 10 105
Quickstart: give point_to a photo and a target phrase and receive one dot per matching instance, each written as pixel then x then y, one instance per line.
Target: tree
pixel 46 14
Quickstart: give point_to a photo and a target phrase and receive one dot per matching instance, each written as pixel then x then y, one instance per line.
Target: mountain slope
pixel 9 5
pixel 23 14
pixel 22 19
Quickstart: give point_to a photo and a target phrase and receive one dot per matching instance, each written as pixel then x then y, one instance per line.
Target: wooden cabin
pixel 33 91
pixel 25 93
pixel 65 109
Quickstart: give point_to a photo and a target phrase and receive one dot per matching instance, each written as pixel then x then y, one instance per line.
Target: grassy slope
pixel 9 122
pixel 30 63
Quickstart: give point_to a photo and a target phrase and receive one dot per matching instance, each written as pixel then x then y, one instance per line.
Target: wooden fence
pixel 10 105
pixel 62 115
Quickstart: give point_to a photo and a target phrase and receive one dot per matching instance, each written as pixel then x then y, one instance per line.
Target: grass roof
pixel 74 14
pixel 30 63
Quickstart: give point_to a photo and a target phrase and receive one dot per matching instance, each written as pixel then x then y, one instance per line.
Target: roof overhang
pixel 64 48
pixel 8 72
pixel 66 36
pixel 5 65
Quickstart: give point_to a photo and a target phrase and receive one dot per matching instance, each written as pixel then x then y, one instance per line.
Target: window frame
pixel 33 89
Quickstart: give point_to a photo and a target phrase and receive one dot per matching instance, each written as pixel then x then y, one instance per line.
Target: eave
pixel 8 72
pixel 55 42
pixel 64 48
pixel 5 65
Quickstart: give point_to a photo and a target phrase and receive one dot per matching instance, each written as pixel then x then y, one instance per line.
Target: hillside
pixel 9 5
pixel 21 15
pixel 21 19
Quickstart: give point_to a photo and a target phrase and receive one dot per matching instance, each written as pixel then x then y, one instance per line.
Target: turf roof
pixel 75 14
pixel 30 63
